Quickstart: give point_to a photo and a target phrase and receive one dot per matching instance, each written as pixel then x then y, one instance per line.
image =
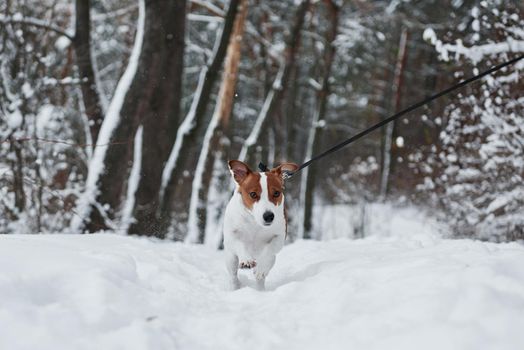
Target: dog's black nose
pixel 268 217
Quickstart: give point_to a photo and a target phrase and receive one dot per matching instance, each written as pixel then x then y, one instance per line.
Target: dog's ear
pixel 239 170
pixel 285 168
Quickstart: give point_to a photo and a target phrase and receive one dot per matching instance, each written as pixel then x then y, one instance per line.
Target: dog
pixel 255 222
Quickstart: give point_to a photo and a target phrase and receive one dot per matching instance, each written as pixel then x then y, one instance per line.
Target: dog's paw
pixel 233 285
pixel 248 264
pixel 259 275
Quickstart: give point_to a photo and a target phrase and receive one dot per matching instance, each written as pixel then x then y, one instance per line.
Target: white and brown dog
pixel 255 221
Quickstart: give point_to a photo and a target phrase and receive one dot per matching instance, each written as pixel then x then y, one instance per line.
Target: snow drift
pixel 116 292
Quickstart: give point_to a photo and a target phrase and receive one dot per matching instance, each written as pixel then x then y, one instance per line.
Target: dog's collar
pixel 263 168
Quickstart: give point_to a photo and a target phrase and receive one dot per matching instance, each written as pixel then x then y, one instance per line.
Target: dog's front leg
pixel 245 259
pixel 266 260
pixel 232 269
pixel 264 265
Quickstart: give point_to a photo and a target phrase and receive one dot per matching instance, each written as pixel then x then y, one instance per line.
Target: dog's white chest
pixel 241 228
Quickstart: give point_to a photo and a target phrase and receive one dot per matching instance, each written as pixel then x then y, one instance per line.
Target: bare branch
pixel 35 22
pixel 210 7
pixel 202 18
pixel 115 13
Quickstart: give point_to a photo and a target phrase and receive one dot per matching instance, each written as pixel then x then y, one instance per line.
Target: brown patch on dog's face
pixel 250 189
pixel 248 182
pixel 275 186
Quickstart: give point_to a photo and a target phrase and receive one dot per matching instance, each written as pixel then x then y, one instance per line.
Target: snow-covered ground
pixel 408 291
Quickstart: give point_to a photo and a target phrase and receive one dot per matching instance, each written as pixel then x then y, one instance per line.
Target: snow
pixel 477 53
pixel 215 204
pixel 27 90
pixel 407 290
pixel 474 53
pixel 257 128
pixel 475 25
pixel 374 219
pixel 44 119
pixel 111 121
pixel 134 180
pixel 184 129
pixel 204 18
pixel 14 119
pixel 399 141
pixel 196 186
pixel 429 35
pixel 209 5
pixel 62 43
pixel 305 173
pixel 19 18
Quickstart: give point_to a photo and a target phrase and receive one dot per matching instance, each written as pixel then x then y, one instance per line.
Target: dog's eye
pixel 276 194
pixel 253 195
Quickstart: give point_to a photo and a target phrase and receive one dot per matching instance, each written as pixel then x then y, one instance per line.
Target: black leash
pixel 395 116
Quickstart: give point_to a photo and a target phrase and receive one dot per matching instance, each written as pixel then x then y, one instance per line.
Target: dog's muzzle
pixel 268 218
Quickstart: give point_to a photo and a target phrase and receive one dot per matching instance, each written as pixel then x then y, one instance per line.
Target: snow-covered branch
pixel 475 53
pixel 35 22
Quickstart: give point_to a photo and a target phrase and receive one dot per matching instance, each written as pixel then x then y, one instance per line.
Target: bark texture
pixel 159 124
pixel 178 190
pixel 276 94
pixel 84 62
pixel 396 95
pixel 315 135
pixel 219 125
pixel 153 98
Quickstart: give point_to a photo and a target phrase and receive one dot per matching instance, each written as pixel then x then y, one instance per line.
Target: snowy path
pixel 113 292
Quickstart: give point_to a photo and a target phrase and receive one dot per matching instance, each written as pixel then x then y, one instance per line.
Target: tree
pixel 274 98
pixel 308 178
pixel 84 61
pixel 160 123
pixel 215 137
pixel 395 103
pixel 481 168
pixel 37 103
pixel 144 94
pixel 175 191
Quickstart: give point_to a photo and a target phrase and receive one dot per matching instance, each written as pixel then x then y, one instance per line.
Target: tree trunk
pixel 396 94
pixel 145 91
pixel 175 185
pixel 308 181
pixel 290 114
pixel 17 167
pixel 275 96
pixel 84 62
pixel 161 120
pixel 217 128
